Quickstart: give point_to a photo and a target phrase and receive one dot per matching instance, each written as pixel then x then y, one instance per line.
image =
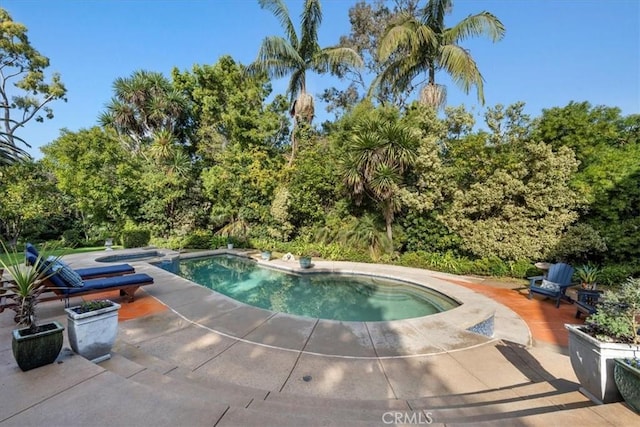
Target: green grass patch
pixel 59 252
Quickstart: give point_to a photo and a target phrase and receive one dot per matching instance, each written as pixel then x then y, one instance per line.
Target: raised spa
pixel 132 256
pixel 319 295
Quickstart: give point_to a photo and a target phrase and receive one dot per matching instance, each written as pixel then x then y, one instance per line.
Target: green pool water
pixel 325 296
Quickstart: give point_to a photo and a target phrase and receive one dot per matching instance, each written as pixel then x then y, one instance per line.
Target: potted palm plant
pixel 92 328
pixel 608 334
pixel 33 344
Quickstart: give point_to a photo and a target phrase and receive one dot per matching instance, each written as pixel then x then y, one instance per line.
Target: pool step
pixel 612 414
pixel 283 399
pixel 248 417
pixel 268 408
pixel 179 380
pixel 533 398
pixel 76 392
pixel 520 404
pixel 362 411
pixel 138 358
pixel 250 406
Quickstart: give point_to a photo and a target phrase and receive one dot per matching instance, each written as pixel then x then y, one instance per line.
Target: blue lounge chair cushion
pixel 29 248
pixel 116 269
pixel 31 254
pixel 111 282
pixel 93 272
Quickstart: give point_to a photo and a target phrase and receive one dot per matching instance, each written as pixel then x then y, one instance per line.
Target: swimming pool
pixel 325 296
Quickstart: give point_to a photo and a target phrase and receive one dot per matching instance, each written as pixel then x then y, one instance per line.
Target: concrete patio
pixel 187 356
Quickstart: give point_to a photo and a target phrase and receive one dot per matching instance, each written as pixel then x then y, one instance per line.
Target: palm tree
pixel 143 105
pixel 378 154
pixel 422 44
pixel 295 55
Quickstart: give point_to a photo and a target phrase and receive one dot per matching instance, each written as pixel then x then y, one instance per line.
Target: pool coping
pixel 434 334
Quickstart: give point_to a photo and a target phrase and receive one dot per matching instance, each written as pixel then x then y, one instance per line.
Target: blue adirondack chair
pixel 555 284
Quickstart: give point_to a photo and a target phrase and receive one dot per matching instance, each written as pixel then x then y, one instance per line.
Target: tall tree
pixel 228 107
pixel 368 22
pixel 29 197
pixel 510 196
pixel 145 104
pixel 378 154
pixel 24 93
pixel 422 44
pixel 607 144
pixel 92 167
pixel 296 54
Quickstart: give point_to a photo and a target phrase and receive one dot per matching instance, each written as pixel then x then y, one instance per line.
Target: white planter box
pixel 92 334
pixel 593 364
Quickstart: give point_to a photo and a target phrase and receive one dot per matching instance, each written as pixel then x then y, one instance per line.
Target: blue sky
pixel 554 51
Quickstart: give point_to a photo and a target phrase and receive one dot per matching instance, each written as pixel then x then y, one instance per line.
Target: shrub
pixel 72 238
pixel 520 268
pixel 198 239
pixel 135 238
pixel 217 241
pixel 580 243
pixel 617 273
pixel 94 305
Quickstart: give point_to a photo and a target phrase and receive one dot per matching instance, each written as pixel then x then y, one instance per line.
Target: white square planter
pixel 593 363
pixel 92 334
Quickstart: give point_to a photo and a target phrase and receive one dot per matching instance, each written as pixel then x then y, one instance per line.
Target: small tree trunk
pixel 293 141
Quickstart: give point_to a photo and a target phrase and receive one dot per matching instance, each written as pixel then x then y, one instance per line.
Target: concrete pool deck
pixel 197 358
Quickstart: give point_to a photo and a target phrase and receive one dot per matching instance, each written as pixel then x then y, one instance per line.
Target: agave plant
pixel 27 283
pixel 588 275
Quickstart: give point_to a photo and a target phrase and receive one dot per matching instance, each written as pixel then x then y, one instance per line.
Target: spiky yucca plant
pixel 26 284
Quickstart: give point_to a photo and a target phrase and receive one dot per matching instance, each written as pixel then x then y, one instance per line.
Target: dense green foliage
pixel 202 159
pixel 135 238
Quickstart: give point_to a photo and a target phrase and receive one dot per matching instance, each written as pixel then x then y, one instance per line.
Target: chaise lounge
pixel 67 283
pixel 89 272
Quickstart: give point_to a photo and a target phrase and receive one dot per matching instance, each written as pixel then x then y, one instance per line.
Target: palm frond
pixel 435 11
pixel 277 57
pixel 10 154
pixel 480 24
pixel 331 58
pixel 280 11
pixel 401 35
pixel 311 18
pixel 462 68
